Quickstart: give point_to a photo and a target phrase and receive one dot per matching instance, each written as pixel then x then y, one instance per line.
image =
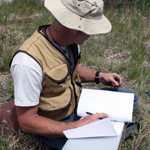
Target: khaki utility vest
pixel 60 88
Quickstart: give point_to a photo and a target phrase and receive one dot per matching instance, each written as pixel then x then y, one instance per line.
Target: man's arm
pixel 31 122
pixel 111 79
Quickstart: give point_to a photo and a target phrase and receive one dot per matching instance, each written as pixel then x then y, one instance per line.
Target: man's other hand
pixel 110 79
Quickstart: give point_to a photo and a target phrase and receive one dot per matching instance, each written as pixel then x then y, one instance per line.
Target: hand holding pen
pixel 89 113
pixel 89 119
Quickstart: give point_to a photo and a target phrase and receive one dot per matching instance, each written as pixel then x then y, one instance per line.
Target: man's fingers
pixel 117 78
pixel 90 119
pixel 101 115
pixel 116 81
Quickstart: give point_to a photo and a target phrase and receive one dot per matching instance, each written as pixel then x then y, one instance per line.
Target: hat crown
pixel 82 15
pixel 91 9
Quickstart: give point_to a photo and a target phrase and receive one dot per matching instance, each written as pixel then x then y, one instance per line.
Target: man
pixel 47 78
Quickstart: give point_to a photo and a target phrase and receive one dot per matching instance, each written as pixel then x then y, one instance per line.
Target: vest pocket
pixel 56 101
pixel 56 81
pixel 58 74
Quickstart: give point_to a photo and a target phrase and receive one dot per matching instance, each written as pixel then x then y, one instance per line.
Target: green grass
pixel 130 33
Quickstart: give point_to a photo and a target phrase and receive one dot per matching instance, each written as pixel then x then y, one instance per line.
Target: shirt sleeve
pixel 27 85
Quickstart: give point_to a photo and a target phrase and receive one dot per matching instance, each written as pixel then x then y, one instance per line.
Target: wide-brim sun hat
pixel 82 15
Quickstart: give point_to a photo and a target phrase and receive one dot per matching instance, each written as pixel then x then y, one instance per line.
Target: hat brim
pixel 73 21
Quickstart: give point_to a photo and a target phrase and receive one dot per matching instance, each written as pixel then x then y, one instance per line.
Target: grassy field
pixel 124 50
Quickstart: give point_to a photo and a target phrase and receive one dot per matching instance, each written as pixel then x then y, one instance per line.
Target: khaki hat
pixel 83 15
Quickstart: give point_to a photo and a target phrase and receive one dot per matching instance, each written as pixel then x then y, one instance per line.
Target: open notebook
pixel 119 107
pixel 101 128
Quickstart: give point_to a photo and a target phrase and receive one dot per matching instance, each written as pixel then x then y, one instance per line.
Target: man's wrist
pixel 97 79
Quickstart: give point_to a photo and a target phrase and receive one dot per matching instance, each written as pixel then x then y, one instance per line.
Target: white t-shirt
pixel 27 77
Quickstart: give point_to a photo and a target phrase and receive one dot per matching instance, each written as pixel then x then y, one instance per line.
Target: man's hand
pixel 110 79
pixel 90 119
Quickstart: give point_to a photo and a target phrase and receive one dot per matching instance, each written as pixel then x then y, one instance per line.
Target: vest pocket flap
pixel 58 74
pixel 56 102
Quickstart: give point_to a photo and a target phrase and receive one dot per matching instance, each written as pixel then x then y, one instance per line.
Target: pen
pixel 89 113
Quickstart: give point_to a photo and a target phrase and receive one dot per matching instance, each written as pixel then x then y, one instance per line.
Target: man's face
pixel 80 37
